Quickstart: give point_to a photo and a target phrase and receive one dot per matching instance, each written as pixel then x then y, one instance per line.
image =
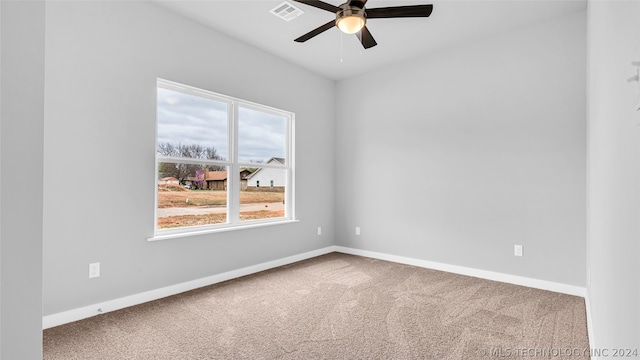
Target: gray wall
pixel 487 141
pixel 21 128
pixel 614 174
pixel 458 155
pixel 102 60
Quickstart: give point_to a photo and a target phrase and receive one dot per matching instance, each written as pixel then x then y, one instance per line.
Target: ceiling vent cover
pixel 286 11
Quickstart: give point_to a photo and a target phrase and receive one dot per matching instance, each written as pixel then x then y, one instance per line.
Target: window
pixel 212 151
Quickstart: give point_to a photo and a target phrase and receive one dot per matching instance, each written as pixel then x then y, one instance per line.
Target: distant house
pixel 217 180
pixel 168 181
pixel 268 179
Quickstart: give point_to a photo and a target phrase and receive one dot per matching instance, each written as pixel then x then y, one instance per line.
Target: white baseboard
pixel 483 274
pixel 65 317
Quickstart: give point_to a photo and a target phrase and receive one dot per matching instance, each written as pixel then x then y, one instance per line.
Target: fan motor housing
pixel 347 10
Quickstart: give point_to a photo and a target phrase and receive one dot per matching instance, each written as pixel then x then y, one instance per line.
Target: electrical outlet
pixel 517 250
pixel 319 230
pixel 357 230
pixel 94 270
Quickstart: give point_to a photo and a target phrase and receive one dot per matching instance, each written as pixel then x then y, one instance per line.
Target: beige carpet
pixel 336 306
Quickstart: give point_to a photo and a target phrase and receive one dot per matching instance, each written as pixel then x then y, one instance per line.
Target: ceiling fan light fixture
pixel 350 20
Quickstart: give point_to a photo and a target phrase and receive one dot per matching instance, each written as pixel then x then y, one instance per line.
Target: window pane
pixel 191 126
pixel 219 133
pixel 191 195
pixel 262 194
pixel 261 136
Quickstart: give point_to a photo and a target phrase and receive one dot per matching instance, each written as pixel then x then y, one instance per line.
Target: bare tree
pixel 184 172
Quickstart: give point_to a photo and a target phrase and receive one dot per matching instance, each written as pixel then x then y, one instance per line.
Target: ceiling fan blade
pixel 320 5
pixel 366 38
pixel 400 12
pixel 316 31
pixel 357 3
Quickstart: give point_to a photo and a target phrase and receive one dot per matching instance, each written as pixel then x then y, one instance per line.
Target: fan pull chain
pixel 341 48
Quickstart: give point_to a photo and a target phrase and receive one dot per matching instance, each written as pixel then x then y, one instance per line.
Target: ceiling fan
pixel 351 18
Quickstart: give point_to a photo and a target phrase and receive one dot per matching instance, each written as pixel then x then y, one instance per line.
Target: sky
pixel 188 119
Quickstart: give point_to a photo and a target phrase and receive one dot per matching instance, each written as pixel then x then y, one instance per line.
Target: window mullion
pixel 155 207
pixel 262 165
pixel 193 161
pixel 289 209
pixel 233 201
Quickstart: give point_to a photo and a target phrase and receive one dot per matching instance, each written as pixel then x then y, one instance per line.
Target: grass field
pixel 208 219
pixel 179 197
pixel 169 199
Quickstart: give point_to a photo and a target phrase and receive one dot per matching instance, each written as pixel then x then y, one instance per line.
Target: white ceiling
pixel 338 56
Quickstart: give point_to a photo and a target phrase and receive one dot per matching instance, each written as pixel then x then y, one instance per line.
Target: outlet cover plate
pixel 517 250
pixel 94 270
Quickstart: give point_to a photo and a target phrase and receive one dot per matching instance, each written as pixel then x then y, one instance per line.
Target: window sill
pixel 217 230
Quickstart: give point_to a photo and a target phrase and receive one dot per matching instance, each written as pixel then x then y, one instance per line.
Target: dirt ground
pixel 168 199
pixel 184 198
pixel 208 219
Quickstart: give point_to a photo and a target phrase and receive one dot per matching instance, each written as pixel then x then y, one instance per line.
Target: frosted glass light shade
pixel 351 24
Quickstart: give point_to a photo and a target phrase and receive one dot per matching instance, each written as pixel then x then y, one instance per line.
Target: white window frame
pixel 233 167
